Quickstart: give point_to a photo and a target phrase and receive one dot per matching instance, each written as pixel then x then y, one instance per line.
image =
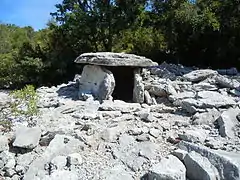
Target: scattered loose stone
pixel 74 159
pixel 116 173
pixel 143 137
pixel 59 162
pixel 180 154
pixel 27 137
pixel 56 175
pixel 149 118
pixel 154 132
pixel 3 143
pixel 207 117
pixel 194 135
pixel 135 131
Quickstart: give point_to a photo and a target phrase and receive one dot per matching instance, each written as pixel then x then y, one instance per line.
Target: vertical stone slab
pixel 138 90
pixel 97 81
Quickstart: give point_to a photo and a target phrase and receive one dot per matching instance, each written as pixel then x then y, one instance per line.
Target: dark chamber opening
pixel 124 79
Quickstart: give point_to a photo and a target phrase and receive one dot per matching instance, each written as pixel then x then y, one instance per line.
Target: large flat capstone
pixel 114 59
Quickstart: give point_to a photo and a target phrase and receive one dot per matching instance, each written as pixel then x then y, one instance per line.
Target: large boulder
pixel 97 81
pixel 199 75
pixel 114 59
pixel 227 163
pixel 227 83
pixel 199 167
pixel 170 168
pixel 227 122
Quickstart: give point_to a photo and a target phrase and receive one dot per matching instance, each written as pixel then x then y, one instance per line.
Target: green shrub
pixel 25 102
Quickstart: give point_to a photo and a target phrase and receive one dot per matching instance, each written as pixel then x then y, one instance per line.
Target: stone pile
pixel 188 128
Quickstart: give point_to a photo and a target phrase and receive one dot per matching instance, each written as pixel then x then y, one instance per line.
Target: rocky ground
pixel 189 128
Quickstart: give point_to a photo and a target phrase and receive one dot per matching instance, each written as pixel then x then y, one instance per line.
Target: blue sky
pixel 35 13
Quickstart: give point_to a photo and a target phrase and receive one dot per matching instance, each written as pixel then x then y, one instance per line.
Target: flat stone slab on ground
pixel 27 137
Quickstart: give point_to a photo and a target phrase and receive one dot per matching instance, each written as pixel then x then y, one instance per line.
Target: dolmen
pixel 108 75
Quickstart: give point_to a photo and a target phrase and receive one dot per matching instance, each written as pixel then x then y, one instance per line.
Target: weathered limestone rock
pixel 227 163
pixel 182 95
pixel 3 143
pixel 194 135
pixel 158 90
pixel 74 159
pixel 138 90
pixel 114 59
pixel 62 174
pixel 118 105
pixel 27 137
pixel 206 99
pixel 199 167
pixel 110 134
pixel 170 168
pixel 154 132
pixel 227 83
pixel 199 75
pixel 207 117
pixel 61 145
pixel 58 163
pixel 180 154
pixel 100 84
pixel 147 98
pixel 204 86
pixel 117 173
pixel 227 122
pixel 190 105
pixel 215 99
pixel 25 159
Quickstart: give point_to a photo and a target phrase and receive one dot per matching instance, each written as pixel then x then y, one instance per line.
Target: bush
pixel 25 103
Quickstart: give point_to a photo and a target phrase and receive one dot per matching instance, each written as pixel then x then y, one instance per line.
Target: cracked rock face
pixel 183 126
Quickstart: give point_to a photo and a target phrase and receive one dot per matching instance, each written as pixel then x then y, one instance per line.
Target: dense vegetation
pixel 201 32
